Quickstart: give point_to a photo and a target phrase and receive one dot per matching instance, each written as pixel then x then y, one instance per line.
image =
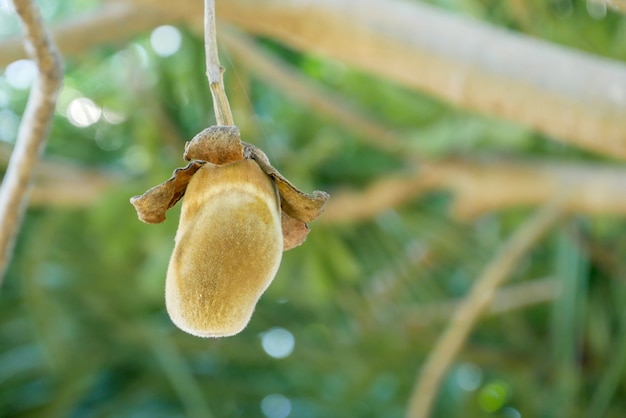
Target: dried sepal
pixel 294 231
pixel 217 144
pixel 221 145
pixel 152 205
pixel 295 203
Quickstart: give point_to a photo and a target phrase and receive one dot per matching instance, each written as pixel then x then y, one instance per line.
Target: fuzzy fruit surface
pixel 228 247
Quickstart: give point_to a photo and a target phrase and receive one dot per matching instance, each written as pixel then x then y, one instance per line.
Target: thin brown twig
pixel 34 127
pixel 479 298
pixel 223 114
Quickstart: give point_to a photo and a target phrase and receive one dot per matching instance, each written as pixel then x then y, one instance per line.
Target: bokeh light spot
pixel 4 98
pixel 509 412
pixel 108 142
pixel 66 95
pixel 278 342
pixel 9 123
pixel 112 116
pixel 21 74
pixel 276 406
pixel 6 7
pixel 140 54
pixel 83 112
pixel 8 23
pixel 165 40
pixel 493 396
pixel 596 10
pixel 468 376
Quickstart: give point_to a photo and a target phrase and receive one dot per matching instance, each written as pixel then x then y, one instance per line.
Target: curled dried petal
pixel 152 205
pixel 294 202
pixel 222 145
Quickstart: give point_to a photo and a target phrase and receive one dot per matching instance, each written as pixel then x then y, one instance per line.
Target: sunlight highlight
pixel 278 342
pixel 469 377
pixel 113 117
pixel 9 124
pixel 83 112
pixel 166 40
pixel 596 10
pixel 509 412
pixel 276 406
pixel 6 7
pixel 493 396
pixel 4 97
pixel 21 74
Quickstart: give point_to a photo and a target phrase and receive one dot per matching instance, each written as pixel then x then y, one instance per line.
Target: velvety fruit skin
pixel 227 249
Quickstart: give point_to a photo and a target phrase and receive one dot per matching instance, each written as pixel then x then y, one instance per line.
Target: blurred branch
pixel 214 70
pixel 83 188
pixel 33 130
pixel 478 299
pixel 114 23
pixel 480 187
pixel 576 97
pixel 510 298
pixel 63 183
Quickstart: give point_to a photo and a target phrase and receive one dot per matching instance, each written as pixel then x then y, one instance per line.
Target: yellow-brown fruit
pixel 227 249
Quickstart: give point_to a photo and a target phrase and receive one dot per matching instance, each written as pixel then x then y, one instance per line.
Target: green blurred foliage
pixel 83 330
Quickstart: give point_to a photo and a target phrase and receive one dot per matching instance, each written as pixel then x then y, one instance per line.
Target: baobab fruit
pixel 227 250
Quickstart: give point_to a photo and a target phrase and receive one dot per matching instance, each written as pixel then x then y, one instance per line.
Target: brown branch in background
pixel 483 186
pixel 479 187
pixel 214 70
pixel 576 97
pixel 33 129
pixel 59 182
pixel 510 298
pixel 79 192
pixel 113 23
pixel 479 298
pixel 561 92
